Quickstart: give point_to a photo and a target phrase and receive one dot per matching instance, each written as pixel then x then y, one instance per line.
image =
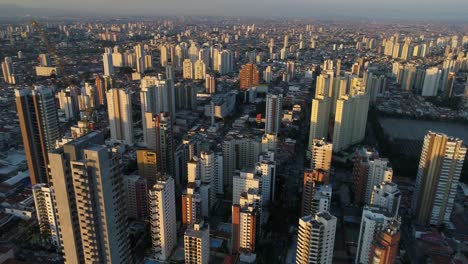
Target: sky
pixel 333 9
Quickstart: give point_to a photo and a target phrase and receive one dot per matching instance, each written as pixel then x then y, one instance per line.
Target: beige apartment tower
pixel 438 175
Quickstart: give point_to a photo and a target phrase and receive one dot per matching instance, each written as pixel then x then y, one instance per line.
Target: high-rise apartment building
pixel 89 198
pixel 160 138
pixel 316 238
pixel 384 248
pixel 199 71
pixel 246 221
pixel 119 108
pixel 388 196
pixel 163 218
pixel 136 196
pixel 350 120
pixel 157 95
pixel 164 56
pixel 197 243
pixel 39 125
pixel 374 219
pixel 210 84
pixel 242 182
pixel 195 202
pixel 431 82
pixel 46 212
pixel 187 69
pixel 369 170
pixel 437 179
pixel 8 71
pixel 316 197
pixel 107 62
pixel 140 58
pixel 248 76
pixel 322 152
pixel 274 108
pixel 319 118
pixel 147 162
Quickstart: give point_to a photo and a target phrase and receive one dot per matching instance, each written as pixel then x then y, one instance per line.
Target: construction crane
pixel 52 51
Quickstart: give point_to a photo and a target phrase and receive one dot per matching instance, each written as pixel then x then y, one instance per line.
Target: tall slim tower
pixel 107 62
pixel 163 218
pixel 39 124
pixel 89 195
pixel 148 166
pixel 319 118
pixel 160 139
pixel 46 212
pixel 140 58
pixel 8 72
pixel 274 108
pixel 438 175
pixel 374 219
pixel 119 107
pixel 316 238
pixel 246 221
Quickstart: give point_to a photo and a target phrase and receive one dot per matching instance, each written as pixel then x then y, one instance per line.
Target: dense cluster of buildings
pixel 168 130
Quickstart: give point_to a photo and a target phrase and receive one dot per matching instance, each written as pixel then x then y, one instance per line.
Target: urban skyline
pixel 221 139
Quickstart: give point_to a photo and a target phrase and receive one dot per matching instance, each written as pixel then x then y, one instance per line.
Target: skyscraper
pixel 160 138
pixel 379 171
pixel 374 219
pixel 437 179
pixel 369 170
pixel 350 119
pixel 89 198
pixel 248 76
pixel 38 120
pixel 315 198
pixel 199 70
pixel 157 95
pixel 46 212
pixel 210 84
pixel 431 82
pixel 195 203
pixel 140 58
pixel 197 243
pixel 107 62
pixel 119 107
pixel 316 238
pixel 148 166
pixel 188 69
pixel 312 179
pixel 136 196
pixel 8 71
pixel 319 118
pixel 246 221
pixel 164 55
pixel 274 108
pixel 225 62
pixel 163 218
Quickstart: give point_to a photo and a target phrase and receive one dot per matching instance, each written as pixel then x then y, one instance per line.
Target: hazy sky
pixel 418 9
